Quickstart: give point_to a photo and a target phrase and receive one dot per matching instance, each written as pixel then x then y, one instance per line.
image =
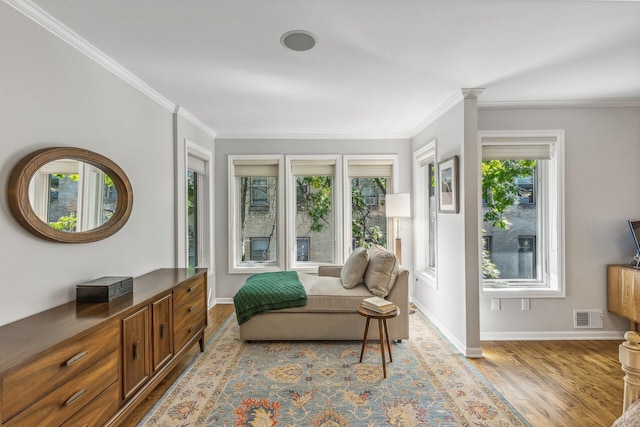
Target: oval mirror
pixel 69 195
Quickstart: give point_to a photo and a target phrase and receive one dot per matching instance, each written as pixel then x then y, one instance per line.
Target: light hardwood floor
pixel 551 383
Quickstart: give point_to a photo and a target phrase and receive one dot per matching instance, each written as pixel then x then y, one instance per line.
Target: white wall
pixel 52 95
pixel 228 284
pixel 602 153
pixel 453 306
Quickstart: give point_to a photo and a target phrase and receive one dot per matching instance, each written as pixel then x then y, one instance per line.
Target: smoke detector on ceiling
pixel 298 40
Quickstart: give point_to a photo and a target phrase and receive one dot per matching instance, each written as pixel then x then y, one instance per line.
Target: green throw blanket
pixel 267 291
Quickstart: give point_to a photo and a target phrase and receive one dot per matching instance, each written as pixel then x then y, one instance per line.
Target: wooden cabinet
pixel 624 292
pixel 91 363
pixel 162 336
pixel 135 351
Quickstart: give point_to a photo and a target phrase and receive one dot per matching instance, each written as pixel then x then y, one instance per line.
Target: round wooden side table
pixel 383 331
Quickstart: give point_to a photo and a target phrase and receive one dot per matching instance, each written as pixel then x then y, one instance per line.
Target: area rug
pixel 234 383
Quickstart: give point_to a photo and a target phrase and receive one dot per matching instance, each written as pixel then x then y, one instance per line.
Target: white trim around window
pixel 532 144
pixel 367 165
pixel 422 157
pixel 313 165
pixel 262 164
pixel 200 160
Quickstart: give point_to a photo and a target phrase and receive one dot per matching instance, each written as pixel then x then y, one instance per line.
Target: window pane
pixel 314 218
pixel 192 218
pixel 511 219
pixel 257 218
pixel 368 219
pixel 302 248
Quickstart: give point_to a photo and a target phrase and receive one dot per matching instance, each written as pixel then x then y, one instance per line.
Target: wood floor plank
pixel 551 383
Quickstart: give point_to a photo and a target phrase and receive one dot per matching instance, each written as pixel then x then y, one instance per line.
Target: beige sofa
pixel 330 313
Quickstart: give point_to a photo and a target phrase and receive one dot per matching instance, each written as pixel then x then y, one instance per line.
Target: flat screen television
pixel 634 226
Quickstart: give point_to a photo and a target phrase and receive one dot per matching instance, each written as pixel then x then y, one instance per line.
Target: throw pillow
pixel 381 272
pixel 353 270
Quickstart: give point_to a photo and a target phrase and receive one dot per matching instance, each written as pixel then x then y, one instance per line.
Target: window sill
pixel 513 292
pixel 428 277
pixel 254 268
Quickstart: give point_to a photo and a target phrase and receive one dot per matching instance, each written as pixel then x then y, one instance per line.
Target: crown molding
pixel 321 136
pixel 453 100
pixel 57 28
pixel 185 114
pixel 585 103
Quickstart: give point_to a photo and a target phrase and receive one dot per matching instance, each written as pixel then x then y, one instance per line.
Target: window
pixel 302 248
pixel 255 212
pixel 522 185
pixel 312 218
pixel 259 249
pixel 193 204
pixel 369 180
pixel 426 208
pixel 259 188
pixel 199 213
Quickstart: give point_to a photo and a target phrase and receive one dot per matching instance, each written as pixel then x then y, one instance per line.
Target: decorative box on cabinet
pixel 92 363
pixel 624 292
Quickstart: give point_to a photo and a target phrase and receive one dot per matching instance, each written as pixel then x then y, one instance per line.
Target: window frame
pixel 292 210
pixel 236 265
pixel 550 242
pixel 346 194
pixel 422 158
pixel 205 212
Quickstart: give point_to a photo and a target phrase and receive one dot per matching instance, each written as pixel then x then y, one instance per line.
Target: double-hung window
pixel 199 211
pixel 255 210
pixel 367 184
pixel 312 220
pixel 522 213
pixel 425 207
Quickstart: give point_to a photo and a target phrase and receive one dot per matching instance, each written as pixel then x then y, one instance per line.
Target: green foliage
pixel 316 199
pixel 65 223
pixel 363 233
pixel 500 190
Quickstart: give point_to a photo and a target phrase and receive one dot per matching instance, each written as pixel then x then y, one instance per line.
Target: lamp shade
pixel 398 205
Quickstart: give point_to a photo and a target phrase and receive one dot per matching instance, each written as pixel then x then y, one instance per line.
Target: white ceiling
pixel 379 68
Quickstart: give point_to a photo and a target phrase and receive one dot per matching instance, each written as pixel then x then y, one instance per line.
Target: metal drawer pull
pixel 76 358
pixel 163 329
pixel 191 329
pixel 136 350
pixel 193 308
pixel 75 397
pixel 193 288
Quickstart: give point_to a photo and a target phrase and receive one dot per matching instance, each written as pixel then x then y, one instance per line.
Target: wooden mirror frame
pixel 18 194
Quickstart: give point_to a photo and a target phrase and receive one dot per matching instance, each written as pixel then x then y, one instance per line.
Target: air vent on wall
pixel 589 318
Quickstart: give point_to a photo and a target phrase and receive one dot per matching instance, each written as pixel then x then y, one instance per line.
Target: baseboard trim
pixel 223 301
pixel 470 352
pixel 550 335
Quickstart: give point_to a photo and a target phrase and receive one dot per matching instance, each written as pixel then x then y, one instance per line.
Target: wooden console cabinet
pixel 90 364
pixel 624 292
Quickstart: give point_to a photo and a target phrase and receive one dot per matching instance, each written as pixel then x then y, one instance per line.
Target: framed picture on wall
pixel 448 185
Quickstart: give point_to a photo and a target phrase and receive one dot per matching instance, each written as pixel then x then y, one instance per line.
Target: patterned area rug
pixel 234 383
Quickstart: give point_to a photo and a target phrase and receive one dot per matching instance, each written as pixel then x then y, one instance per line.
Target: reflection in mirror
pixel 71 196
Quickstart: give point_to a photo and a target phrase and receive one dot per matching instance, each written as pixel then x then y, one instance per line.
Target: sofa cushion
pixel 327 295
pixel 381 272
pixel 353 270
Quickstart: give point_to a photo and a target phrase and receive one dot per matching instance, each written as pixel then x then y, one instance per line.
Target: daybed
pixel 332 298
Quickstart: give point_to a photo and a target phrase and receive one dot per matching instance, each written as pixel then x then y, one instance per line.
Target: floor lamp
pixel 398 206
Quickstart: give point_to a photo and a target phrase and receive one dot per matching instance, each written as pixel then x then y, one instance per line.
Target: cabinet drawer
pixel 189 290
pixel 62 403
pixel 187 325
pixel 38 378
pixel 98 412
